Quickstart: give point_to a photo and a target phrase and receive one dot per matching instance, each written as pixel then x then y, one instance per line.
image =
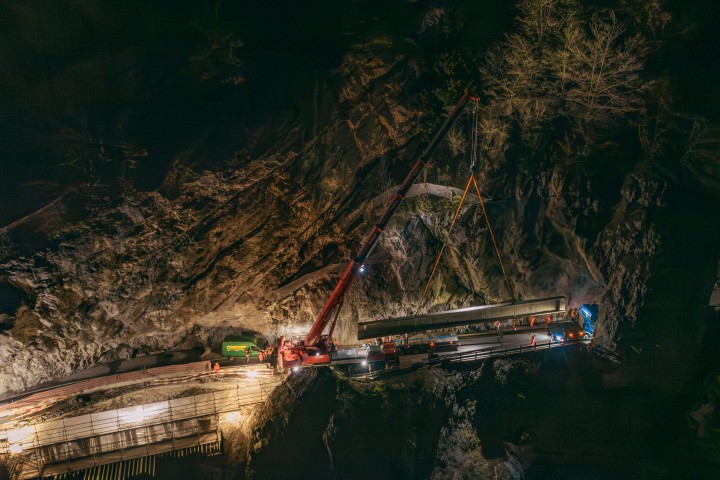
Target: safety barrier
pixel 485 353
pixel 470 356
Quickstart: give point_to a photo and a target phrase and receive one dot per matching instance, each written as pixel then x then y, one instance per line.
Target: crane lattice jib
pixel 374 236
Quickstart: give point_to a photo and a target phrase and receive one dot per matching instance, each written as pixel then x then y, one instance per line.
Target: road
pixel 485 341
pixel 130 365
pixel 468 342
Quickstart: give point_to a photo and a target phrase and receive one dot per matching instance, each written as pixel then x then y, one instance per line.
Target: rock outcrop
pixel 251 221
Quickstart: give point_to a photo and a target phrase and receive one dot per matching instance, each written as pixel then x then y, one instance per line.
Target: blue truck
pixel 583 327
pixel 589 314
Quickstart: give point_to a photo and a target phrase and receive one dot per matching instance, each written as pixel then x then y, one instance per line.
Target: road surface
pixel 485 341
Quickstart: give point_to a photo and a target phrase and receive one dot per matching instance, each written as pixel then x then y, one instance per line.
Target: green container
pixel 236 346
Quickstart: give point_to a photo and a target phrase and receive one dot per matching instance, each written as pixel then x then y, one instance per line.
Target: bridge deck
pixel 77 443
pixel 463 316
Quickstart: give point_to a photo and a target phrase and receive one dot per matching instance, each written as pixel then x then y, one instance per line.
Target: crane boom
pixel 373 237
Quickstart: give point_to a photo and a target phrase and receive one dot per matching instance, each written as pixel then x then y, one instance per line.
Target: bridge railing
pixel 485 353
pixel 471 356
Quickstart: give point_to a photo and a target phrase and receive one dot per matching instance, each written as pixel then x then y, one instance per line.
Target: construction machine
pixel 318 349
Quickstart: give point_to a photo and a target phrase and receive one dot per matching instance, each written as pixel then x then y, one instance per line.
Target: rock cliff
pixel 253 212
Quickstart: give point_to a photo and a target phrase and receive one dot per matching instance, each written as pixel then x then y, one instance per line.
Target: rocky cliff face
pixel 253 217
pixel 208 250
pixel 350 429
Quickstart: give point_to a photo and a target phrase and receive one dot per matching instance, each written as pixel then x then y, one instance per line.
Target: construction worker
pixel 261 356
pixel 247 355
pixel 532 321
pixel 216 367
pixel 532 340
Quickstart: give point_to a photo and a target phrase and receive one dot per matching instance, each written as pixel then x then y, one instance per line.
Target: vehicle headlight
pixel 364 363
pixel 295 369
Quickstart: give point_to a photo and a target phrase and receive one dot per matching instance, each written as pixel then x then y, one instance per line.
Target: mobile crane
pixel 316 348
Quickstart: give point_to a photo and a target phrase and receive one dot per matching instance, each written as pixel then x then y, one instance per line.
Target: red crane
pixel 313 350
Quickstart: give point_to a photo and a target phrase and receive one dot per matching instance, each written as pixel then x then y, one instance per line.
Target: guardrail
pixel 481 354
pixel 471 356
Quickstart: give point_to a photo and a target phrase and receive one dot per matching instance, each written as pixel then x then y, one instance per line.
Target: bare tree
pixel 540 20
pixel 428 167
pixel 456 141
pixel 556 65
pixel 598 71
pixel 494 132
pixel 511 72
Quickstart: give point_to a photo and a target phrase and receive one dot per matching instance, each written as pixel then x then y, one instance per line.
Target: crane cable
pixel 457 213
pixel 471 180
pixel 473 162
pixel 492 236
pixel 482 204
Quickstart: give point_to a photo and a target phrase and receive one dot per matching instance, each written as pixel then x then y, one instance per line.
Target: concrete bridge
pixel 124 442
pixel 460 317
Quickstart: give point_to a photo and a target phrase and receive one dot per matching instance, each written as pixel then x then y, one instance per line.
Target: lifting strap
pixel 492 236
pixel 471 180
pixel 457 213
